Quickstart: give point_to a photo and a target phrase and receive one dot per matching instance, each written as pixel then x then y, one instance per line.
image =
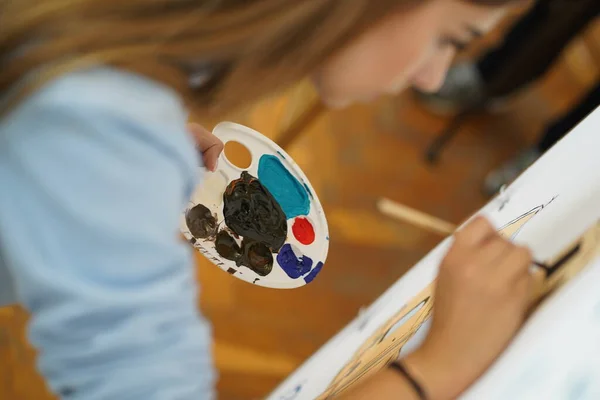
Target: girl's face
pixel 411 47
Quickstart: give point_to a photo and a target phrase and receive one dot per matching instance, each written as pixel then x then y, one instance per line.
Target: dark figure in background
pixel 553 132
pixel 527 52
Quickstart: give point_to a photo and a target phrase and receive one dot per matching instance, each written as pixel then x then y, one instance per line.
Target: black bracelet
pixel 398 366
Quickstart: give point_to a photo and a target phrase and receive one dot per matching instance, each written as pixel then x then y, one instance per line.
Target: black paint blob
pixel 257 257
pixel 227 247
pixel 201 223
pixel 253 255
pixel 251 212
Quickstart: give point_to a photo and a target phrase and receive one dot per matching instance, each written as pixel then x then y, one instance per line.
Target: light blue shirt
pixel 95 169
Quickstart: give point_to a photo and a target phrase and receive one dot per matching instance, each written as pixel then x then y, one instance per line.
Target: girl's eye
pixel 472 32
pixel 449 41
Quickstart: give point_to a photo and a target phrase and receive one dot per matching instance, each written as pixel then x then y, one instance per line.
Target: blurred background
pixel 511 95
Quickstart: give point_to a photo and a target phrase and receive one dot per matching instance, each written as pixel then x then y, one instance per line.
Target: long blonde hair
pixel 252 47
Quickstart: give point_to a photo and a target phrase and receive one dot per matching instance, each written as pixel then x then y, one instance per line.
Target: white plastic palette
pixel 302 255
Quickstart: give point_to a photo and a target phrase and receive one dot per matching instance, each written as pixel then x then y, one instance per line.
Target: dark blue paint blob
pixel 293 265
pixel 281 154
pixel 313 274
pixel 283 186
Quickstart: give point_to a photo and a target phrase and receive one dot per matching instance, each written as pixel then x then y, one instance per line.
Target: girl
pixel 96 163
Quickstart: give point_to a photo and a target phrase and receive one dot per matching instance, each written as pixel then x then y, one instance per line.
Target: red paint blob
pixel 303 231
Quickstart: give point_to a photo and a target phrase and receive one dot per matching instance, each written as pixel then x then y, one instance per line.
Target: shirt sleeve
pixel 94 172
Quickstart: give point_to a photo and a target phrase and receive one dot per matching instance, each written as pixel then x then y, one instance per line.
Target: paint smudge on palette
pixel 211 192
pixel 308 191
pixel 266 227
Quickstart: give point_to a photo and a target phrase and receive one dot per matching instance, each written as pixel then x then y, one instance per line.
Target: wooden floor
pixel 352 157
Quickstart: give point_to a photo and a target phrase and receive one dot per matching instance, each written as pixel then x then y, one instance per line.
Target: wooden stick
pixel 415 217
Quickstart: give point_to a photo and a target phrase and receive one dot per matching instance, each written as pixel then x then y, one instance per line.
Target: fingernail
pixel 214 168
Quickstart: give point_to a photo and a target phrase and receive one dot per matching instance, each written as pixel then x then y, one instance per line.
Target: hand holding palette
pixel 263 224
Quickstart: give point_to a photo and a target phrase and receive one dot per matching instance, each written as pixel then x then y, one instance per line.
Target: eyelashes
pixel 453 42
pixel 460 45
pixel 475 33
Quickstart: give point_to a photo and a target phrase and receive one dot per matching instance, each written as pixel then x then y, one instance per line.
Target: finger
pixel 524 285
pixel 475 233
pixel 484 261
pixel 491 253
pixel 211 157
pixel 521 297
pixel 468 241
pixel 204 138
pixel 209 145
pixel 537 280
pixel 524 289
pixel 516 264
pixel 198 132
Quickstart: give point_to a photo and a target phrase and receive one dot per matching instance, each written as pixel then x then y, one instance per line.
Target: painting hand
pixel 481 300
pixel 209 145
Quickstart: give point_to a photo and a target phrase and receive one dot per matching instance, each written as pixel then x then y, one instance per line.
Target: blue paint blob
pixel 289 193
pixel 281 154
pixel 313 274
pixel 293 265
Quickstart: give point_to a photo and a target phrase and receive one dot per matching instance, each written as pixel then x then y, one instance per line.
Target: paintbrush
pixel 439 226
pixel 546 268
pixel 550 269
pixel 415 217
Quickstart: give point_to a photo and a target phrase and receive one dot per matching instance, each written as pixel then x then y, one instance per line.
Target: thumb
pixel 209 145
